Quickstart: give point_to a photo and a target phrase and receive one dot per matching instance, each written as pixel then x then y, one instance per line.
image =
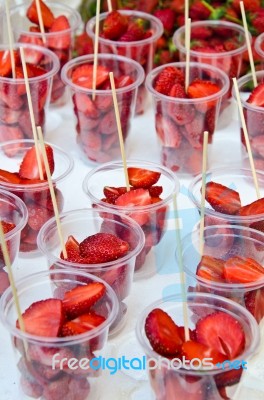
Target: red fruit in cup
pixel 83 76
pixel 222 198
pixel 242 270
pixel 81 324
pixel 29 166
pixel 47 15
pixel 115 25
pixel 211 268
pixel 142 178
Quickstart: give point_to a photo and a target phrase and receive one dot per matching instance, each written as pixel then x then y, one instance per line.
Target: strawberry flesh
pixel 79 300
pixel 257 96
pixel 254 208
pixel 47 15
pixel 222 198
pixel 83 76
pixel 242 270
pixel 115 25
pixel 81 324
pixel 29 166
pixel 142 178
pixel 192 349
pixel 44 318
pixel 212 331
pixel 211 268
pixel 162 333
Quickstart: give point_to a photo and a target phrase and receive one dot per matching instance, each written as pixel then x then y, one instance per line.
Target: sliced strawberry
pixel 178 386
pixel 44 355
pixel 44 318
pixel 167 131
pixel 37 216
pixel 83 76
pixel 123 80
pixel 85 105
pixel 142 178
pixel 59 24
pixel 84 323
pixel 11 132
pixel 47 15
pixel 112 193
pixel 192 349
pixel 4 279
pixel 257 96
pixel 242 270
pixel 9 116
pixel 29 166
pixel 211 268
pixel 254 208
pixel 254 303
pixel 73 251
pixel 9 177
pixel 5 62
pixel 78 300
pixel 212 331
pixel 155 192
pixel 115 24
pixel 222 198
pixel 32 56
pixel 103 247
pixel 167 78
pixel 228 378
pixel 134 198
pixel 162 333
pixel 202 88
pixel 133 33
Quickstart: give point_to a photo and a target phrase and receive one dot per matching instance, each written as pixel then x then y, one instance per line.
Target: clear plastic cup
pixel 170 383
pixel 14 215
pixel 59 42
pixel 236 178
pixel 225 47
pixel 39 374
pixel 254 118
pixel 259 48
pixel 86 222
pixel 224 242
pixel 181 122
pixel 36 196
pixel 141 51
pixel 15 120
pixel 96 126
pixel 152 218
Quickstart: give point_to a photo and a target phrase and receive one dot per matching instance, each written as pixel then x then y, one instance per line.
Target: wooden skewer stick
pixel 96 42
pixel 11 278
pixel 250 55
pixel 40 19
pixel 119 129
pixel 244 126
pixel 109 6
pixel 182 275
pixel 204 167
pixel 187 46
pixel 31 112
pixel 186 14
pixel 10 39
pixel 52 193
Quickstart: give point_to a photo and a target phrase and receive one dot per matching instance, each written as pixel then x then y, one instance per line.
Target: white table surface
pixel 141 145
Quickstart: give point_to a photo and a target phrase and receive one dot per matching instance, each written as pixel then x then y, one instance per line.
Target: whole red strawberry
pixel 257 21
pixel 198 11
pixel 168 18
pixel 115 25
pixel 249 5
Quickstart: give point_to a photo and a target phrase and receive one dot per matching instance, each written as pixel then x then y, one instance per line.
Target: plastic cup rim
pixel 91 23
pixel 56 341
pixel 22 208
pixel 259 40
pixel 243 80
pixel 77 266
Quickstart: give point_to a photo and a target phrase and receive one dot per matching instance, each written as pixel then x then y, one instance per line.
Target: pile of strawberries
pixel 207 339
pixel 171 14
pixel 180 126
pixel 14 113
pixel 4 280
pixel 59 44
pixel 96 120
pixel 34 192
pixel 143 192
pixel 80 310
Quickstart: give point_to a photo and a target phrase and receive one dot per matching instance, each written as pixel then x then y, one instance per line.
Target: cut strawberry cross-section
pixel 242 270
pixel 254 208
pixel 47 15
pixel 211 268
pixel 162 333
pixel 83 76
pixel 134 198
pixel 60 41
pixel 103 247
pixel 142 178
pixel 222 332
pixel 222 198
pixel 44 318
pixel 257 96
pixel 29 166
pixel 201 88
pixel 79 300
pixel 82 324
pixel 192 349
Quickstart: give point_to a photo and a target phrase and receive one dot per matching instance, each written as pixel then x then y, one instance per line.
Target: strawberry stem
pixel 233 19
pixel 208 6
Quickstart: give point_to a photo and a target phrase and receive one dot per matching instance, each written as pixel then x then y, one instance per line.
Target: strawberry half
pixel 257 96
pixel 78 300
pixel 29 166
pixel 44 318
pixel 73 251
pixel 81 324
pixel 254 303
pixel 47 15
pixel 212 331
pixel 201 88
pixel 112 193
pixel 242 270
pixel 5 62
pixel 192 349
pixel 103 247
pixel 142 178
pixel 9 177
pixel 162 333
pixel 61 41
pixel 134 198
pixel 83 76
pixel 254 208
pixel 222 198
pixel 211 268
